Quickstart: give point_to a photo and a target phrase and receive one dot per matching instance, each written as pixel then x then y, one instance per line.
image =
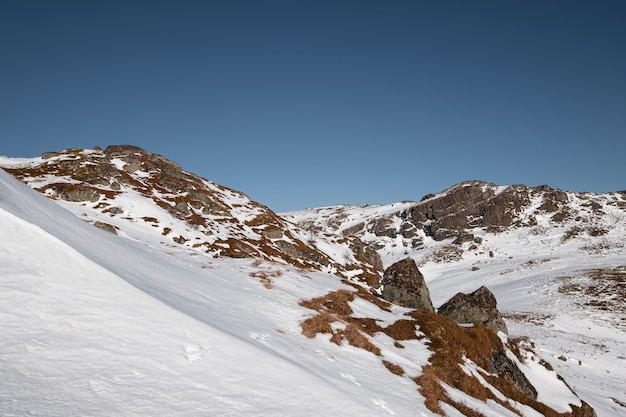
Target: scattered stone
pixel 106 227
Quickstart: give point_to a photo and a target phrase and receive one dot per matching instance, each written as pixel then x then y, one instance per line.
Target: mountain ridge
pixel 210 218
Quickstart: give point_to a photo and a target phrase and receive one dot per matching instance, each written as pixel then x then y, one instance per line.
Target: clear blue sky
pixel 310 103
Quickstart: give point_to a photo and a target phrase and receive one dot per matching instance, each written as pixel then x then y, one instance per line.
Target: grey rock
pixel 404 284
pixel 479 307
pixel 366 253
pixel 106 227
pixel 508 370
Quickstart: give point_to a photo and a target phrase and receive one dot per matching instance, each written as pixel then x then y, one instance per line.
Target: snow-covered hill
pixel 144 323
pixel 555 260
pixel 123 189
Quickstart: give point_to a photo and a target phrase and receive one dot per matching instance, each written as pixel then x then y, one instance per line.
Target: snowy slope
pixel 146 197
pixel 98 324
pixel 560 283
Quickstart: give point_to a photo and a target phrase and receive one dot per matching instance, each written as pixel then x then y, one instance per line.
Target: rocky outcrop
pixel 468 205
pixel 457 211
pixel 365 253
pixel 508 370
pixel 479 307
pixel 404 284
pixel 75 192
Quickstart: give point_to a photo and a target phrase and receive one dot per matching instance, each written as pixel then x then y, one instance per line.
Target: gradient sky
pixel 310 103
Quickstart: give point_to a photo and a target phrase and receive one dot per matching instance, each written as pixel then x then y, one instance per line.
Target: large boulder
pixel 404 284
pixel 479 307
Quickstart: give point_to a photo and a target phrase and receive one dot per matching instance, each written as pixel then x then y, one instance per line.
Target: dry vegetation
pixel 393 368
pixel 335 307
pixel 450 343
pixel 266 276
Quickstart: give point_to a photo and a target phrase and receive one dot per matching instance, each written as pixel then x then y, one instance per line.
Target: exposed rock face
pixel 478 307
pixel 455 212
pixel 365 253
pixel 508 370
pixel 468 205
pixel 404 284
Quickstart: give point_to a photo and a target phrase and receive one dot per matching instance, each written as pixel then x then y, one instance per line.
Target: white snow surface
pixel 101 325
pixel 98 325
pixel 525 269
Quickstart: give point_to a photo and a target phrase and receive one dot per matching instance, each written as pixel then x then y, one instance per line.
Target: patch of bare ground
pixel 265 275
pixel 538 319
pixel 602 289
pixel 448 253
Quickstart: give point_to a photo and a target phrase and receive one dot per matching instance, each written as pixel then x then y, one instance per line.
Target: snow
pixel 18 162
pixel 550 390
pixel 524 268
pixel 118 163
pixel 94 324
pixel 488 409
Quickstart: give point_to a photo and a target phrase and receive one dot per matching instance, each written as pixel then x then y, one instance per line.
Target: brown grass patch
pixel 393 368
pixel 320 323
pixel 366 295
pixel 334 302
pixel 266 276
pixel 335 307
pixel 180 240
pixel 402 330
pixel 449 343
pixel 366 325
pixel 431 389
pixel 357 339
